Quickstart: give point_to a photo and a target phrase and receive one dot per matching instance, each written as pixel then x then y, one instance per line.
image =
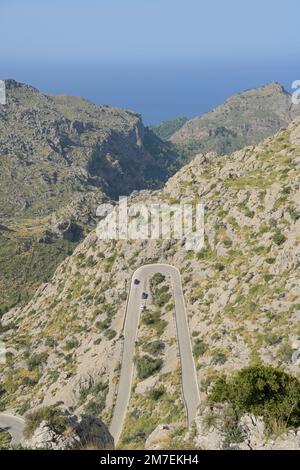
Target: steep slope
pixel 166 129
pixel 54 146
pixel 59 158
pixel 244 119
pixel 242 294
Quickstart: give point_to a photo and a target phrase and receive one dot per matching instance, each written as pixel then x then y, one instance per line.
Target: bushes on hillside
pixel 54 417
pixel 263 391
pixel 157 278
pixel 156 393
pixel 146 366
pixel 37 360
pixel 200 347
pixel 155 347
pixel 279 238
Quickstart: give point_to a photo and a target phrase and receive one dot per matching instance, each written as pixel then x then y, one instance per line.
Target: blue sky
pixel 161 58
pixel 148 29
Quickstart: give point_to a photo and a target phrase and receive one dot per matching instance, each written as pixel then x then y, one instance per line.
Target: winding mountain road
pixel 189 385
pixel 14 425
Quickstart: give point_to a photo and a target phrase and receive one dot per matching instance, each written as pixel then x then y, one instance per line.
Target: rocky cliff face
pixel 244 119
pixel 53 147
pixel 242 294
pixel 65 431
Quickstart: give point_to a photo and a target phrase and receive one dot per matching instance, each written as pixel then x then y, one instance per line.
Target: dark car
pixel 136 282
pixel 144 296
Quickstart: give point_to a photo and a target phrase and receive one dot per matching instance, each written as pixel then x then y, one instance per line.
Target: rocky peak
pixel 275 86
pixel 244 119
pixel 10 84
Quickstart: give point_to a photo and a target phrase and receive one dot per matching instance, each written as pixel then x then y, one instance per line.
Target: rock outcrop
pixel 215 430
pixel 80 432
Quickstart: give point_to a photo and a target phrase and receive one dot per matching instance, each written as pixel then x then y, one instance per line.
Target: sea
pixel 159 90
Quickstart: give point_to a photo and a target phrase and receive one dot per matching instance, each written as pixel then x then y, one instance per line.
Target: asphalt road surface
pixel 12 424
pixel 190 391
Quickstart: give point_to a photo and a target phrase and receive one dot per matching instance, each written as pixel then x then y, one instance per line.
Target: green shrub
pixel 146 366
pixel 156 393
pixel 37 360
pixel 100 388
pixel 200 348
pixel 5 439
pixel 163 299
pixel 71 344
pixel 268 277
pixel 91 262
pixel 158 278
pixel 4 308
pixel 161 290
pixel 54 417
pixel 294 213
pixel 153 319
pixel 285 352
pixel 7 327
pixel 249 213
pixel 50 342
pixel 154 347
pixel 220 266
pixel 262 391
pixel 110 334
pixel 103 325
pixel 149 318
pixel 29 381
pixel 219 358
pixel 279 238
pixel 95 407
pixel 287 190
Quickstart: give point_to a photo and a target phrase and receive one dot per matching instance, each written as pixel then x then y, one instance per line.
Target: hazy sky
pixel 148 29
pixel 162 58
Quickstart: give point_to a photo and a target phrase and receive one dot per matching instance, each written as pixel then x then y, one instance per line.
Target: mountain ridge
pixel 243 119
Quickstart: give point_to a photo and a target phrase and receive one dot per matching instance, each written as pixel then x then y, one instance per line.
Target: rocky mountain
pixel 244 119
pixel 242 295
pixel 55 146
pixel 60 157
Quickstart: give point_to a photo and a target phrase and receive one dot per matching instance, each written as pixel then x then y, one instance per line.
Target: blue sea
pixel 157 90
